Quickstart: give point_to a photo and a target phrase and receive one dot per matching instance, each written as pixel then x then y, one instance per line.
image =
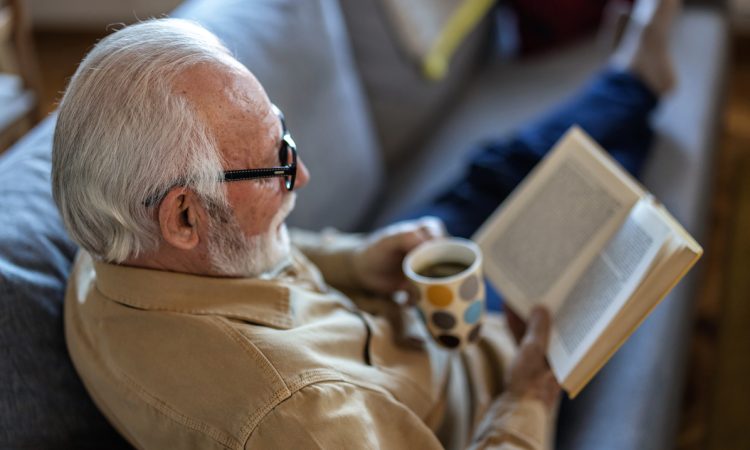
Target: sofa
pixel 379 139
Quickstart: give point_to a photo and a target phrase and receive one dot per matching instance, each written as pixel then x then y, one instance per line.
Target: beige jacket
pixel 183 361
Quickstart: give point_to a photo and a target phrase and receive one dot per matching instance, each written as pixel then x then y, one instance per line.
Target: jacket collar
pixel 265 302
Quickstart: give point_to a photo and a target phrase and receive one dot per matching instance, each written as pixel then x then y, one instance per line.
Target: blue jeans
pixel 614 108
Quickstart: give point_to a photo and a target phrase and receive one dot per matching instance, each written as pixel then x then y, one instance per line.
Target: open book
pixel 581 237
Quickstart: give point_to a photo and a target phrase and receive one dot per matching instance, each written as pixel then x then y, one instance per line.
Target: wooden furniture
pixel 19 76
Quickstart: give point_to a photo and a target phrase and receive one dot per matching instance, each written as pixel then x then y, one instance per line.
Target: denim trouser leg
pixel 614 108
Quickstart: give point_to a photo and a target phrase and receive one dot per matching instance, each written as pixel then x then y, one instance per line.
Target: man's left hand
pixel 377 264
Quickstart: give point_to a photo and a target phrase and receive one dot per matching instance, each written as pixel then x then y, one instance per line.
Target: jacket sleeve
pixel 513 423
pixel 340 415
pixel 331 251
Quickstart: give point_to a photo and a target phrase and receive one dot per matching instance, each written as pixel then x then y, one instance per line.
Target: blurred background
pixel 42 41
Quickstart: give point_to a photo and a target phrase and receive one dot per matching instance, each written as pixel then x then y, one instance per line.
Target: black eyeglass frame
pixel 289 172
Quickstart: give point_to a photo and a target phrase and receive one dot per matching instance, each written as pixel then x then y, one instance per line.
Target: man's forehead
pixel 208 83
pixel 234 106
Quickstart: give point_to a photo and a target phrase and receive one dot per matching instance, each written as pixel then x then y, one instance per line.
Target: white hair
pixel 123 137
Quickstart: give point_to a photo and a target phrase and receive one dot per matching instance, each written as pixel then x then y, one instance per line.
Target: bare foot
pixel 644 48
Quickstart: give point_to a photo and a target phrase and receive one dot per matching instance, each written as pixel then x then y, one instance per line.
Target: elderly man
pixel 196 322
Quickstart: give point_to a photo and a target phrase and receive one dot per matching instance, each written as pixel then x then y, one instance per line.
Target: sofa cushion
pixel 298 50
pixel 429 31
pixel 42 402
pixel 405 106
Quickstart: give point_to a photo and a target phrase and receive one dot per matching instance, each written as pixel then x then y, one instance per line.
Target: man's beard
pixel 233 254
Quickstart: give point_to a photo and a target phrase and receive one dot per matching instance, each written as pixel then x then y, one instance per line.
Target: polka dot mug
pixel 446 278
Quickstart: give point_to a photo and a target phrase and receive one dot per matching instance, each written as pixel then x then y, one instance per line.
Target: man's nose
pixel 303 175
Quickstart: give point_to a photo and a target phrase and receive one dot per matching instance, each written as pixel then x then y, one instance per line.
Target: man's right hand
pixel 530 376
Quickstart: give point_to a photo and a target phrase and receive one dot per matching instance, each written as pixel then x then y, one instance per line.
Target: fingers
pixel 432 227
pixel 419 231
pixel 516 325
pixel 411 239
pixel 407 235
pixel 530 374
pixel 378 262
pixel 538 329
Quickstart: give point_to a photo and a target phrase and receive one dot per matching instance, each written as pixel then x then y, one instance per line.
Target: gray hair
pixel 123 137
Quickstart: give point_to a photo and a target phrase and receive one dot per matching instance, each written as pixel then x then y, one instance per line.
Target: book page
pixel 568 209
pixel 673 262
pixel 606 285
pixel 550 229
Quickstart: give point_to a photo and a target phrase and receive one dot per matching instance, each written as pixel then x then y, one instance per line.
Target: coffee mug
pixel 446 278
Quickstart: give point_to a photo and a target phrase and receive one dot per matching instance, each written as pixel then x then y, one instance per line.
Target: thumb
pixel 538 328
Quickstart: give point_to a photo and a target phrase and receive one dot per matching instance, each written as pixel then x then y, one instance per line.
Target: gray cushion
pixel 42 402
pixel 17 101
pixel 298 51
pixel 405 106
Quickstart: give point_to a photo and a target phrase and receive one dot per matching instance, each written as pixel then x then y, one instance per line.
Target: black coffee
pixel 442 269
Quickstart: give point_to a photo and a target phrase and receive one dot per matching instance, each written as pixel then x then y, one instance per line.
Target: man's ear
pixel 180 216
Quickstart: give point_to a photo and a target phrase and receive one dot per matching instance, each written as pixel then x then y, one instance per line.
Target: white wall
pixel 94 14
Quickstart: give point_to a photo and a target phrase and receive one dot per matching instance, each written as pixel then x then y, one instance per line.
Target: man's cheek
pixel 266 215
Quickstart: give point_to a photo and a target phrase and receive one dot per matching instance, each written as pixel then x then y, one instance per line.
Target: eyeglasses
pixel 287 159
pixel 287 168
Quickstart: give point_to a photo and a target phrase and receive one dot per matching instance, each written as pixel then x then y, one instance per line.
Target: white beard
pixel 233 254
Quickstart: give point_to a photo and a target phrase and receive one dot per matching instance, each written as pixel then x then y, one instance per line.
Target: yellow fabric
pixel 182 361
pixel 435 64
pixel 430 31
